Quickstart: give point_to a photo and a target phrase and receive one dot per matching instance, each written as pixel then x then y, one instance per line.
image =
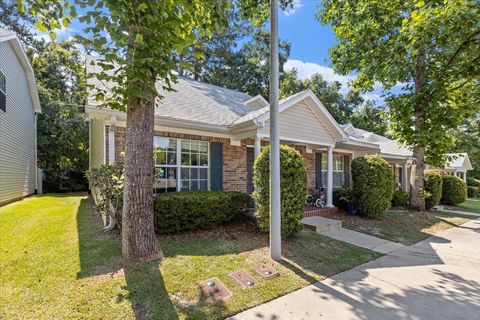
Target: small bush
pixel 106 182
pixel 432 189
pixel 197 210
pixel 293 184
pixel 373 185
pixel 472 191
pixel 473 182
pixel 400 199
pixel 339 196
pixel 454 190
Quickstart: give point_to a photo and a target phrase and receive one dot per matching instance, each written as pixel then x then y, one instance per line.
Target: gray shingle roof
pixel 191 101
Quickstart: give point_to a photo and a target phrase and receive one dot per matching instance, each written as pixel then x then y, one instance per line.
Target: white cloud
pixel 297 5
pixel 306 69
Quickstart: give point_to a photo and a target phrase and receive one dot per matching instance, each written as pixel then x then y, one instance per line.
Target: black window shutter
pixel 216 166
pixel 3 101
pixel 346 170
pixel 318 170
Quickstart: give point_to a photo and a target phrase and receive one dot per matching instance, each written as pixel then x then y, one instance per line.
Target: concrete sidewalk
pixel 438 278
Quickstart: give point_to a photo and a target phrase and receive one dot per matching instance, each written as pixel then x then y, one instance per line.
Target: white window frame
pixel 4 77
pixel 178 165
pixel 342 170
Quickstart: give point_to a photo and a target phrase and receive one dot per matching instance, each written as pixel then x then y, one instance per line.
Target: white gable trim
pixel 22 57
pixel 257 97
pixel 332 125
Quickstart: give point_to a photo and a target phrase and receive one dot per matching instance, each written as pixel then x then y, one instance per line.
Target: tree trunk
pixel 139 242
pixel 417 200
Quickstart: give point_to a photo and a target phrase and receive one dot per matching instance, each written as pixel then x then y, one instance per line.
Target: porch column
pixel 330 177
pixel 405 177
pixel 464 174
pixel 258 146
pixel 111 140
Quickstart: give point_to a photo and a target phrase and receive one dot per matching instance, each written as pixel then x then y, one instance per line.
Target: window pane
pixel 203 161
pixel 324 161
pixel 194 159
pixel 194 185
pixel 171 158
pixel 194 174
pixel 185 159
pixel 3 83
pixel 203 185
pixel 185 173
pixel 203 173
pixel 159 156
pixel 186 146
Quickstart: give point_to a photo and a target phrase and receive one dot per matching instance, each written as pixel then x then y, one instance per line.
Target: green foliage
pixel 432 188
pixel 373 185
pixel 473 182
pixel 472 192
pixel 197 210
pixel 293 184
pixel 106 183
pixel 466 140
pixel 400 199
pixel 246 69
pixel 341 197
pixel 371 118
pixel 454 191
pixel 386 41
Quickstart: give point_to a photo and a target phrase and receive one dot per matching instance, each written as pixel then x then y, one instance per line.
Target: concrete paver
pixel 438 278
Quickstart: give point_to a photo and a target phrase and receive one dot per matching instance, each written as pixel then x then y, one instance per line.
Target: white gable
pixel 300 123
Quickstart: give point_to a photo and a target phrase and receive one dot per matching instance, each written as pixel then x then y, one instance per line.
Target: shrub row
pixel 472 191
pixel 293 189
pixel 373 184
pixel 197 210
pixel 473 182
pixel 432 188
pixel 400 199
pixel 454 190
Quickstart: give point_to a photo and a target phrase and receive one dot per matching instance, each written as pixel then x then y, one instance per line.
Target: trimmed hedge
pixel 472 191
pixel 337 196
pixel 293 184
pixel 373 184
pixel 400 199
pixel 454 190
pixel 473 182
pixel 197 210
pixel 432 188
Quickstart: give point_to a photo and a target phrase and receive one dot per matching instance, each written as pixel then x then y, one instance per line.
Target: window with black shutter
pixel 3 92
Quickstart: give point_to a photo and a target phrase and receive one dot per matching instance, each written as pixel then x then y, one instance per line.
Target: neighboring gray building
pixel 19 106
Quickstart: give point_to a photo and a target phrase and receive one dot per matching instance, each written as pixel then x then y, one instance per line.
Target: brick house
pixel 207 137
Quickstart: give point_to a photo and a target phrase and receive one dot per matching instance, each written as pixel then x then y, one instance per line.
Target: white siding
pixel 17 131
pixel 301 123
pixel 97 142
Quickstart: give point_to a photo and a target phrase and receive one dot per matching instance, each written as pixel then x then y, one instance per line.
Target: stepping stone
pixel 321 224
pixel 215 288
pixel 242 277
pixel 266 271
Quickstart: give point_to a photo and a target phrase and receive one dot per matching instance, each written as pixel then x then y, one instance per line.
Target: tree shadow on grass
pixel 101 259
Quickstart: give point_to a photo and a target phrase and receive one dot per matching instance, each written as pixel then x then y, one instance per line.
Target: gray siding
pixel 300 122
pixel 17 131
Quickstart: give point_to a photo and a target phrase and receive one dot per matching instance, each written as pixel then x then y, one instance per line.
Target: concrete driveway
pixel 438 278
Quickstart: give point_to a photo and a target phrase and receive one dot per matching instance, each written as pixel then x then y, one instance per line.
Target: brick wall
pixel 234 157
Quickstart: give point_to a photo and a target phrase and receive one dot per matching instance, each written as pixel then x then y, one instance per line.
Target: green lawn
pixel 56 263
pixel 471 205
pixel 407 227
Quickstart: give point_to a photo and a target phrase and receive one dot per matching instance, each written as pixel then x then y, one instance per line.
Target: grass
pixel 407 227
pixel 58 264
pixel 470 205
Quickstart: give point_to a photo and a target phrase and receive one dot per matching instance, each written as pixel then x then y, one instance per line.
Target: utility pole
pixel 275 220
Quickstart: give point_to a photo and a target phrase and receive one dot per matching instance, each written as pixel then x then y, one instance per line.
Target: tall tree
pixel 467 139
pixel 432 47
pixel 139 42
pixel 245 69
pixel 371 118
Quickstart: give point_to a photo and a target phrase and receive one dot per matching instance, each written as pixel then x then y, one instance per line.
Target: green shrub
pixel 197 210
pixel 400 199
pixel 432 189
pixel 106 184
pixel 454 190
pixel 372 185
pixel 293 183
pixel 339 196
pixel 473 182
pixel 472 191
